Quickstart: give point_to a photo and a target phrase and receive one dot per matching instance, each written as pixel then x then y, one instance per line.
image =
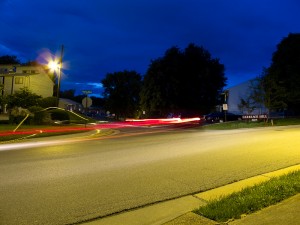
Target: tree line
pixel 278 86
pixel 185 81
pixel 190 82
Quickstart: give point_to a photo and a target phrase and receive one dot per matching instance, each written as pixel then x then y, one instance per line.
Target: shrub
pixel 17 114
pixel 47 102
pixel 40 117
pixel 60 115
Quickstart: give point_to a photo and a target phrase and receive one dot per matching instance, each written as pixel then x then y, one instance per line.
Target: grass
pixel 252 124
pixel 59 130
pixel 74 120
pixel 252 199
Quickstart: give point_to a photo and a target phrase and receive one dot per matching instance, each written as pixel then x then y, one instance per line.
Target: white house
pixel 70 105
pixel 238 92
pixel 35 78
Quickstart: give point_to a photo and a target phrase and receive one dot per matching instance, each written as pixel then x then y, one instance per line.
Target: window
pixel 18 80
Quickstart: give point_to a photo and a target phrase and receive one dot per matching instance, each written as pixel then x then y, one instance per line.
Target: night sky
pixel 106 36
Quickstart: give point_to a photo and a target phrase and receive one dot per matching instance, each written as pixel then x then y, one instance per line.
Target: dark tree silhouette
pixel 121 93
pixel 186 81
pixel 282 79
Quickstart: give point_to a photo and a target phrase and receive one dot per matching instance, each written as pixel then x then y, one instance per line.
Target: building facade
pixel 35 78
pixel 70 105
pixel 242 91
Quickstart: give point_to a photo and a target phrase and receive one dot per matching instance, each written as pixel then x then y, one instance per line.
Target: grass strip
pixel 28 131
pixel 37 135
pixel 252 199
pixel 252 124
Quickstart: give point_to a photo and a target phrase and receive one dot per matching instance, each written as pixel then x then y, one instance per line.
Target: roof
pixel 69 101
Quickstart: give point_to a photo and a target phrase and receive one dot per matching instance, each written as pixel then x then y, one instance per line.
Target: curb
pixel 216 193
pixel 179 211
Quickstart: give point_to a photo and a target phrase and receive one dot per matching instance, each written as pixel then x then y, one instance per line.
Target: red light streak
pixel 113 125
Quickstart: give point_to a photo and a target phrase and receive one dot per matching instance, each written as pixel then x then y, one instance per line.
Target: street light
pixel 56 66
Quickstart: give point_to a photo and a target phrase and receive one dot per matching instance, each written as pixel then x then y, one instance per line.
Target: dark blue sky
pixel 105 36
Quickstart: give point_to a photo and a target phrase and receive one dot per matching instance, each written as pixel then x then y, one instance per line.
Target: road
pixel 70 182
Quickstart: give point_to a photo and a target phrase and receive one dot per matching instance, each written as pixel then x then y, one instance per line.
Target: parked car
pixel 220 117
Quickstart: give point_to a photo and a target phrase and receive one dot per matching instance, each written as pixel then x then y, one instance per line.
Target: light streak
pixel 97 128
pixel 18 146
pixel 161 121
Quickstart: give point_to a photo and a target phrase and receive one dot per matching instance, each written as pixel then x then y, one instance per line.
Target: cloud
pixel 94 87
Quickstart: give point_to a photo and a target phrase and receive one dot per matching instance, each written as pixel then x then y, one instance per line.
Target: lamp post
pixel 57 66
pixel 59 73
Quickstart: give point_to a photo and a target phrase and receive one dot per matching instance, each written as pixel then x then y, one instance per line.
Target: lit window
pixel 18 80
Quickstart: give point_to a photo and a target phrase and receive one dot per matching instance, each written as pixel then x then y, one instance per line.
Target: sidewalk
pixel 178 211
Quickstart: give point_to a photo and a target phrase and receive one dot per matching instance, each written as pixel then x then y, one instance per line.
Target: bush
pixel 60 115
pixel 40 117
pixel 47 102
pixel 17 114
pixel 17 119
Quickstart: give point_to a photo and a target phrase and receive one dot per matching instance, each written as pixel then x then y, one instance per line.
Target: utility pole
pixel 59 73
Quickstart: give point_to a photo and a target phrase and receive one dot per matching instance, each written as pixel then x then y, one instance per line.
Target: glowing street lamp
pixel 53 65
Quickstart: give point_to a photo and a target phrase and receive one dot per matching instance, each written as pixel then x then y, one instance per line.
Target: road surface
pixel 67 182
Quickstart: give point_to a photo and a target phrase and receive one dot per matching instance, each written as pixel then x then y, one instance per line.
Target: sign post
pixel 86 102
pixel 225 108
pixel 225 105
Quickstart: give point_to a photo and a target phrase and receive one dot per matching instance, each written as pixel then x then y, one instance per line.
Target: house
pixel 70 105
pixel 238 92
pixel 15 77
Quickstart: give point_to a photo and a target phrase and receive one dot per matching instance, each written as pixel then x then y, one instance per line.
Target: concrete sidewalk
pixel 178 211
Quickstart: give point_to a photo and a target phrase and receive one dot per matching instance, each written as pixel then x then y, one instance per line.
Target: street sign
pixel 87 102
pixel 261 116
pixel 86 92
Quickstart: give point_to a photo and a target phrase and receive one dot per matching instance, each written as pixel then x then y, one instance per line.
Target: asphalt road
pixel 71 182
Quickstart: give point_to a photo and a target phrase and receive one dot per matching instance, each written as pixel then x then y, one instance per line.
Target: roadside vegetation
pixel 63 122
pixel 252 199
pixel 252 124
pixel 34 131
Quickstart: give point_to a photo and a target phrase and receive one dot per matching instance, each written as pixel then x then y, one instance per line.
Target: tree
pixel 23 98
pixel 255 99
pixel 121 93
pixel 160 93
pixel 246 105
pixel 47 102
pixel 97 102
pixel 69 94
pixel 7 59
pixel 274 94
pixel 204 79
pixel 186 81
pixel 282 79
